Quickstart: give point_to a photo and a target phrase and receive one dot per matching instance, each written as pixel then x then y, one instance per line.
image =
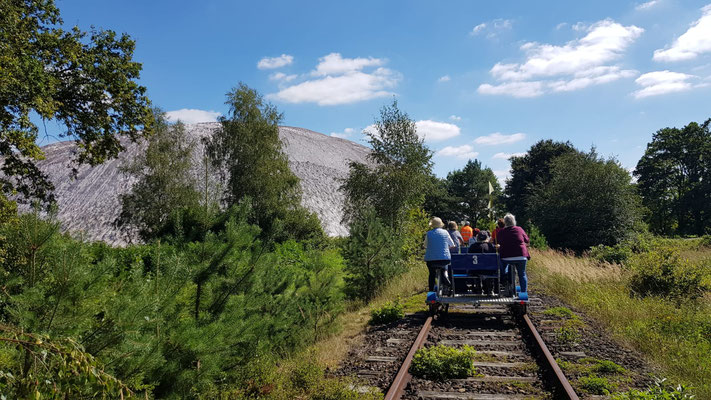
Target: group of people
pixel 507 239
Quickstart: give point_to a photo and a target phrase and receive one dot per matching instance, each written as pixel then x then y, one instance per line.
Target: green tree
pixel 398 174
pixel 588 201
pixel 164 182
pixel 470 189
pixel 86 82
pixel 439 202
pixel 248 149
pixel 674 179
pixel 531 171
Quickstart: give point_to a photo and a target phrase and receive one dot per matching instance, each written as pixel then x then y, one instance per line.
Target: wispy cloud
pixel 499 138
pixel 280 76
pixel 506 156
pixel 464 152
pixel 191 115
pixel 433 131
pixel 647 5
pixel 275 62
pixel 445 78
pixel 662 82
pixel 692 43
pixel 492 28
pixel 455 118
pixel 575 65
pixel 341 80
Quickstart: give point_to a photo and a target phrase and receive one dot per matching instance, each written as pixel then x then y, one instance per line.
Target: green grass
pixel 676 336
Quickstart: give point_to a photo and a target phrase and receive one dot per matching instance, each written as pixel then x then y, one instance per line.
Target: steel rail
pixel 403 375
pixel 562 386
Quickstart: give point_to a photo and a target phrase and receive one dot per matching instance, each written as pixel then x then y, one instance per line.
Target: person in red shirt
pixel 499 226
pixel 513 250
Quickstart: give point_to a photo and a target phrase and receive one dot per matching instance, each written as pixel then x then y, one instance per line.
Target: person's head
pixel 436 222
pixel 466 223
pixel 500 223
pixel 482 236
pixel 452 225
pixel 509 220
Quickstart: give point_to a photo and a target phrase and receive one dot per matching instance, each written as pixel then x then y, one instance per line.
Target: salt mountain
pixel 89 203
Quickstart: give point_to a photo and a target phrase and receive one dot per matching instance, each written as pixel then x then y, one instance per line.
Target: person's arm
pixel 425 240
pixel 450 242
pixel 525 237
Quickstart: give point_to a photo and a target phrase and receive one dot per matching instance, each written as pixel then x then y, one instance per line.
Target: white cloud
pixel 334 64
pixel 455 118
pixel 499 138
pixel 433 131
pixel 695 41
pixel 605 41
pixel 275 62
pixel 191 116
pixel 492 28
pixel 464 152
pixel 445 78
pixel 561 26
pixel 348 132
pixel 647 5
pixel 515 89
pixel 662 82
pixel 350 88
pixel 575 65
pixel 506 156
pixel 280 76
pixel 341 81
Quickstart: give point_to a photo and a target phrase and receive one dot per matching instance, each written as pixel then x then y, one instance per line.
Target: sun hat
pixel 482 236
pixel 436 222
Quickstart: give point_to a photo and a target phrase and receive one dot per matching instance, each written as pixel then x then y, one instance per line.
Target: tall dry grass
pixel 675 335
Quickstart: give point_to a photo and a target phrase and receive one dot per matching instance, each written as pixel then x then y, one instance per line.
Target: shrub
pixel 442 362
pixel 373 256
pixel 569 332
pixel 705 241
pixel 389 312
pixel 608 367
pixel 594 384
pixel 537 240
pixel 560 312
pixel 617 254
pixel 663 272
pixel 660 391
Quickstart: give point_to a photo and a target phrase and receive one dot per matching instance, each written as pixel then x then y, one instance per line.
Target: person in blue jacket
pixel 437 245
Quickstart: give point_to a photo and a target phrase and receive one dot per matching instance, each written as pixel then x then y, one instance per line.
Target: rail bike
pixel 476 279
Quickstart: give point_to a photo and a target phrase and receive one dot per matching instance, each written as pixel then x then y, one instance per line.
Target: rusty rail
pixel 403 375
pixel 562 386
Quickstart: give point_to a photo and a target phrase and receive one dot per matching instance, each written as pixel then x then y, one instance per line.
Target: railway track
pixel 513 361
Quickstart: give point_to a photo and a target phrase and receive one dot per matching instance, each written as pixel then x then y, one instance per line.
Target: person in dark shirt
pixel 482 244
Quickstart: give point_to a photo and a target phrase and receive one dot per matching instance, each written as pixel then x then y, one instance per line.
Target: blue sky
pixel 483 79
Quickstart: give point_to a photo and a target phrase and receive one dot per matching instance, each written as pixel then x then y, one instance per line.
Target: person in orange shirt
pixel 467 233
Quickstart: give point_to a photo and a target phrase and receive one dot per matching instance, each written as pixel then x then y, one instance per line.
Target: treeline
pixel 578 199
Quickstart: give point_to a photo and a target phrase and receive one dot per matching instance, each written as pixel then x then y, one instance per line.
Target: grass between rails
pixel 674 334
